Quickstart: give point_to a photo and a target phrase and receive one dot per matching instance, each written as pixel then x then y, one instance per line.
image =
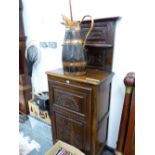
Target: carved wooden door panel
pixel 71 114
pixel 70 131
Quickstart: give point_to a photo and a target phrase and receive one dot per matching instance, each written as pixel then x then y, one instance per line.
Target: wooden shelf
pixel 99 45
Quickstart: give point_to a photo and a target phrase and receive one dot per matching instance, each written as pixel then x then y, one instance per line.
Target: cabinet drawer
pixel 70 97
pixel 70 100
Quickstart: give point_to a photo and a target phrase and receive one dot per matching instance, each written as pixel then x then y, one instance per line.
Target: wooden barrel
pixel 73 56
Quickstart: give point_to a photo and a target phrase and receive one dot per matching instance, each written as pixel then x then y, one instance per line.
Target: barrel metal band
pixel 74 73
pixel 129 90
pixel 75 41
pixel 74 64
pixel 72 29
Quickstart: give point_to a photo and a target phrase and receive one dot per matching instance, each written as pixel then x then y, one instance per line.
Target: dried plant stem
pixel 70 10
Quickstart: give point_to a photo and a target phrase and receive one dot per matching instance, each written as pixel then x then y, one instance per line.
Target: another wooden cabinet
pixel 24 79
pixel 80 105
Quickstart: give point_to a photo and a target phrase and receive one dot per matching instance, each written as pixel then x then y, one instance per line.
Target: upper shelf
pixel 102 34
pixel 100 43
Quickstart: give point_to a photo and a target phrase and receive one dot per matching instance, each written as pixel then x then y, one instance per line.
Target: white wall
pixel 42 20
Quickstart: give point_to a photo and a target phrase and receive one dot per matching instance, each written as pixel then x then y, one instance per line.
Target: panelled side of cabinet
pixel 102 115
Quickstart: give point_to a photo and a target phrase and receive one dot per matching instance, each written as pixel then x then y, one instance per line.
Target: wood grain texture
pixel 94 77
pixel 88 113
pixel 24 79
pixel 100 43
pixel 130 138
pixel 84 111
pixel 126 135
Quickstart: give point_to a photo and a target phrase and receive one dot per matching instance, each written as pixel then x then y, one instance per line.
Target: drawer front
pixel 69 97
pixel 70 100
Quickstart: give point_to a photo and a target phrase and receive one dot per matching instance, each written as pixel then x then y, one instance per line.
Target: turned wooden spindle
pixel 129 82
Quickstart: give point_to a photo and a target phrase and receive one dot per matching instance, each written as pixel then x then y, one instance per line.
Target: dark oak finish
pixel 100 43
pixel 24 79
pixel 80 109
pixel 126 138
pixel 22 61
pixel 22 42
pixel 80 104
pixel 130 138
pixel 24 93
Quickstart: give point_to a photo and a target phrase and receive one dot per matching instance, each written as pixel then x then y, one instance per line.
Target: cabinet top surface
pixel 94 77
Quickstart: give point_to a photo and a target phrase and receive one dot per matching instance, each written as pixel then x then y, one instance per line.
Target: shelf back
pixel 100 43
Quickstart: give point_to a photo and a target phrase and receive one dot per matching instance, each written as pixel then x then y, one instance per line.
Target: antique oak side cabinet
pixel 79 105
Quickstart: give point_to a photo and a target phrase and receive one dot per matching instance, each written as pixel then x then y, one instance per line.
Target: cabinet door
pixel 71 114
pixel 70 130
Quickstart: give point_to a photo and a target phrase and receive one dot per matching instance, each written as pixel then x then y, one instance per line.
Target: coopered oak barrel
pixel 73 56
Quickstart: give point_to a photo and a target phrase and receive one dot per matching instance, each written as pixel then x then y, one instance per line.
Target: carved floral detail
pixel 70 132
pixel 68 101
